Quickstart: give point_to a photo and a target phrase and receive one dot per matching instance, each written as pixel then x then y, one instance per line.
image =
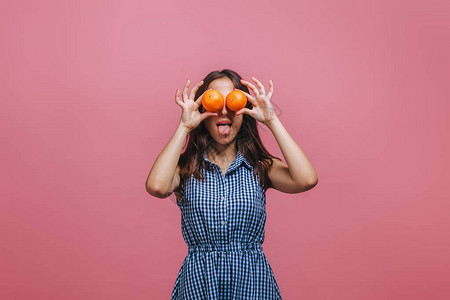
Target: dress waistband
pixel 225 247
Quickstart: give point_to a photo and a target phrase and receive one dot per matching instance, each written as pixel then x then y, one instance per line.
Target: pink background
pixel 87 104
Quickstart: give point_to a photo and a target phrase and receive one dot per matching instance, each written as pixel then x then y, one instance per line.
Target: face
pixel 223 134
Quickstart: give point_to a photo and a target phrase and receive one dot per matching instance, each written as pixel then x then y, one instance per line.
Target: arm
pixel 298 175
pixel 164 177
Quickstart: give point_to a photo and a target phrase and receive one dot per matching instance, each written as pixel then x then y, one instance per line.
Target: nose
pixel 224 110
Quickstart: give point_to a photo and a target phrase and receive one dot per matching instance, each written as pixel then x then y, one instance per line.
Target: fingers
pixel 271 89
pixel 259 84
pixel 177 98
pixel 199 99
pixel 250 98
pixel 194 90
pixel 207 114
pixel 244 111
pixel 251 86
pixel 185 90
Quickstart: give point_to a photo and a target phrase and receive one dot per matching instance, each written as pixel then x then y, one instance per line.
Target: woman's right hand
pixel 191 116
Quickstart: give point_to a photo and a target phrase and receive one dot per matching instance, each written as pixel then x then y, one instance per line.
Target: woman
pixel 220 182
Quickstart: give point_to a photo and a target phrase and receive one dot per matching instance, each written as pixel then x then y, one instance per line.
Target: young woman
pixel 220 182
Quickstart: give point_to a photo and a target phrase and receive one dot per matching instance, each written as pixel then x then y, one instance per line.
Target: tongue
pixel 224 129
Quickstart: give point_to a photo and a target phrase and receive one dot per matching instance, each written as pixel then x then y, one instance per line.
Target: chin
pixel 224 140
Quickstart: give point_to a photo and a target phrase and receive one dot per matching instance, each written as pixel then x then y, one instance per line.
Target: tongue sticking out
pixel 224 129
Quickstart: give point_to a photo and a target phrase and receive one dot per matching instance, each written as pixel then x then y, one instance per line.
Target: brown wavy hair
pixel 248 141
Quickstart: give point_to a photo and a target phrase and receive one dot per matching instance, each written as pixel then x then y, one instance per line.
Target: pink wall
pixel 87 93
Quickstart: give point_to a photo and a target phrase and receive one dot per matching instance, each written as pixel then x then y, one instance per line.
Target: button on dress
pixel 222 222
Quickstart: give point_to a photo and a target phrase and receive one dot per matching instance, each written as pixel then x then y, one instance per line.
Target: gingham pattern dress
pixel 222 222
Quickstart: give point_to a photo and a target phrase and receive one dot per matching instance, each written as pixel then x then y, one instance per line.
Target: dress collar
pixel 239 159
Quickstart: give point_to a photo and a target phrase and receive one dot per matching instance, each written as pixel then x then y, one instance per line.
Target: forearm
pixel 300 167
pixel 163 170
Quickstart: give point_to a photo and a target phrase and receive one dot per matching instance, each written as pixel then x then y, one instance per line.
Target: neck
pixel 222 153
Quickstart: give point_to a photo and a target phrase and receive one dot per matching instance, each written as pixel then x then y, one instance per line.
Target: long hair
pixel 248 141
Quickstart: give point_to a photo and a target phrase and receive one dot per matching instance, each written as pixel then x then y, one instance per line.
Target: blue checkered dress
pixel 222 222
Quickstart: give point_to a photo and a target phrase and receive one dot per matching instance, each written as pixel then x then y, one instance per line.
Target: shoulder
pixel 278 174
pixel 277 163
pixel 272 164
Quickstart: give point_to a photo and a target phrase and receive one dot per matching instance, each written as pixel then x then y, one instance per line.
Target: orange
pixel 236 100
pixel 212 100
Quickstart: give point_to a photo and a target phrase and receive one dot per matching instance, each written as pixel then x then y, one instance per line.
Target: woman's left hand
pixel 262 109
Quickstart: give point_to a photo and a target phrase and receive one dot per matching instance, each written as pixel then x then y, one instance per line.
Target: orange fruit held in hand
pixel 212 100
pixel 236 100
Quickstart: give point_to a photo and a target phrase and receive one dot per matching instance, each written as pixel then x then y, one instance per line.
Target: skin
pixel 223 149
pixel 298 175
pixel 295 176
